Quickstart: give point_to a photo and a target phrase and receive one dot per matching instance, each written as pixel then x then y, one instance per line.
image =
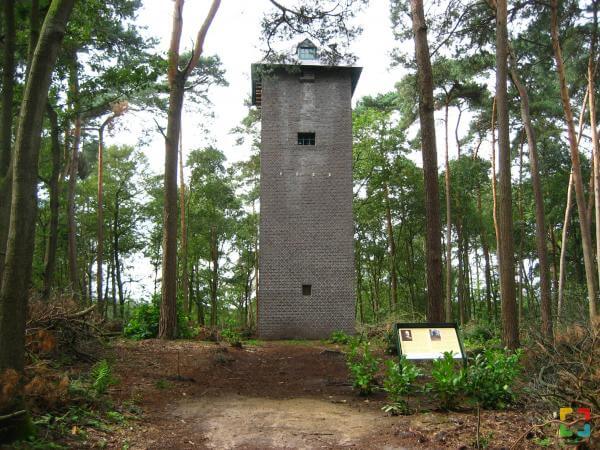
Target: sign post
pixel 428 340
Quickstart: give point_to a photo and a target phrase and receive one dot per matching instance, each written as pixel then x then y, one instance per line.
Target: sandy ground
pixel 199 395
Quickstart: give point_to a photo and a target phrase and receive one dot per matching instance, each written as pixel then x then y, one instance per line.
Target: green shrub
pixel 490 377
pixel 398 383
pixel 101 377
pixel 232 337
pixel 480 336
pixel 340 337
pixel 143 323
pixel 448 381
pixel 363 367
pixel 144 320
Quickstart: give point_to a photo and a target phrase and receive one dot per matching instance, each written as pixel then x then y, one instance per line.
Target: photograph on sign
pixel 428 341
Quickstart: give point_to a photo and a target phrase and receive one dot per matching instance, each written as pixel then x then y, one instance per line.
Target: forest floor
pixel 271 395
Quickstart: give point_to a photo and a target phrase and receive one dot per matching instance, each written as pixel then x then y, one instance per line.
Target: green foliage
pixel 363 367
pixel 101 377
pixel 480 336
pixel 448 381
pixel 398 382
pixel 340 337
pixel 163 384
pixel 232 336
pixel 490 377
pixel 144 321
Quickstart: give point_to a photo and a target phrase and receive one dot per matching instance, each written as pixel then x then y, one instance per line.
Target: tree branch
pixel 193 62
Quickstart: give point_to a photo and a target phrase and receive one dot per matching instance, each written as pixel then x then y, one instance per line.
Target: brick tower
pixel 306 260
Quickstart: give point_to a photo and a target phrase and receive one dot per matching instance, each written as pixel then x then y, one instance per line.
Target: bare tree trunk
pixel 116 253
pixel 593 127
pixel 506 254
pixel 391 247
pixel 19 253
pixel 540 215
pixel 214 256
pixel 565 229
pixel 73 173
pixel 486 259
pixel 494 190
pixel 177 78
pixel 53 188
pixel 100 217
pixel 522 231
pixel 185 283
pixel 586 238
pixel 6 124
pixel 448 307
pixel 435 306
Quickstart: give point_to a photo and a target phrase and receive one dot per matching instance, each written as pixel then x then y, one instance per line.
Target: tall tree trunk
pixel 19 252
pixel 185 283
pixel 522 230
pixel 100 217
pixel 586 239
pixel 494 190
pixel 117 252
pixel 435 306
pixel 53 188
pixel 6 124
pixel 461 274
pixel 34 30
pixel 168 307
pixel 73 173
pixel 214 280
pixel 391 248
pixel 540 216
pixel 593 127
pixel 506 254
pixel 448 306
pixel 565 228
pixel 486 259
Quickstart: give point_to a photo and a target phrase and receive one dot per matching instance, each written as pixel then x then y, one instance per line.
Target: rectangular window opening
pixel 306 289
pixel 306 138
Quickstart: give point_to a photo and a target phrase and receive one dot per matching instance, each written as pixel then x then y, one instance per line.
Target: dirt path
pixel 196 395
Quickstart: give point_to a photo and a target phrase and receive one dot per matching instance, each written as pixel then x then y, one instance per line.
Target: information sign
pixel 428 340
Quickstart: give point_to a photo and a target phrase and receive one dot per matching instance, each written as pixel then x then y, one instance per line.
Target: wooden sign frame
pixel 431 325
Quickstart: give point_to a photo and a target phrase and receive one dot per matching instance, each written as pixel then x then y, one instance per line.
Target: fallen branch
pixel 550 422
pixel 81 313
pixel 13 415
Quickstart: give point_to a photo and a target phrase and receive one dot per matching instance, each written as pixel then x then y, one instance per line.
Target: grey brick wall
pixel 306 222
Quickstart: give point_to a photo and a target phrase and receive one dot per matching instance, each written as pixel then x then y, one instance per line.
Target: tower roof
pixel 259 69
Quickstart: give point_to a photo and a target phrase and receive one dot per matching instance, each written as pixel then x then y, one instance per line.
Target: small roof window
pixel 307 50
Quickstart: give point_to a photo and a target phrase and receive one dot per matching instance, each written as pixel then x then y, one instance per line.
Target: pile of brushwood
pixel 63 340
pixel 567 371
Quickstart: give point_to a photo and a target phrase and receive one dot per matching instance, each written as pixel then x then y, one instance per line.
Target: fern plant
pixel 101 377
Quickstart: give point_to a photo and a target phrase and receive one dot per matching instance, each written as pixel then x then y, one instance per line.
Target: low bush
pixel 232 337
pixel 143 323
pixel 340 337
pixel 398 383
pixel 448 381
pixel 144 320
pixel 363 366
pixel 490 378
pixel 480 336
